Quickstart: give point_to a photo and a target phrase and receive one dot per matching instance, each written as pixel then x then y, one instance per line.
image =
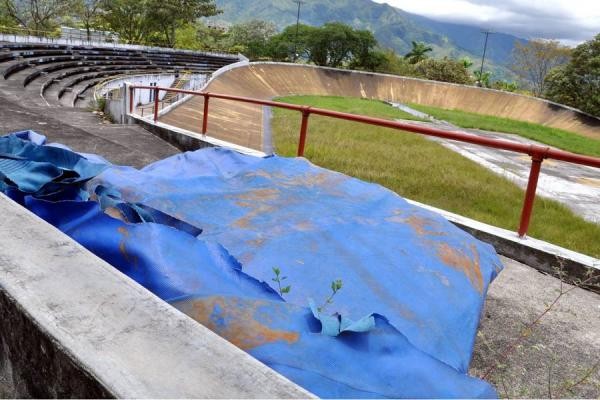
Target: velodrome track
pixel 269 80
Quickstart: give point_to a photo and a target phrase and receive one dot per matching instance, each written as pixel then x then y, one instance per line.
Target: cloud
pixel 570 21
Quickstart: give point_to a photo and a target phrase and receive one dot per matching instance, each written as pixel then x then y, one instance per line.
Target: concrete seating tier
pixel 61 75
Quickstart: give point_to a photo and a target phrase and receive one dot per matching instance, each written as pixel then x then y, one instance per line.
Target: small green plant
pixel 100 104
pixel 335 287
pixel 278 278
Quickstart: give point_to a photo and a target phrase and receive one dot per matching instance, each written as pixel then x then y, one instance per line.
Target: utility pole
pixel 487 33
pixel 299 2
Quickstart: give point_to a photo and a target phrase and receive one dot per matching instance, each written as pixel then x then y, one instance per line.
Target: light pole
pixel 299 2
pixel 487 33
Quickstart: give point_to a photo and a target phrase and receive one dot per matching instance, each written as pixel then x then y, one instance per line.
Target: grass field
pixel 561 139
pixel 422 170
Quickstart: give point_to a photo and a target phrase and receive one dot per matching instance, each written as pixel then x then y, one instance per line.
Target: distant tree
pixel 5 19
pixel 253 38
pixel 483 79
pixel 365 56
pixel 198 36
pixel 394 64
pixel 281 46
pixel 332 44
pixel 165 16
pixel 506 86
pixel 418 52
pixel 129 18
pixel 88 12
pixel 577 84
pixel 533 60
pixel 153 21
pixel 36 15
pixel 466 62
pixel 444 70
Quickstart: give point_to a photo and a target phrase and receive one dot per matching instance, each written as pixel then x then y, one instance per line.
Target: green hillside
pixel 392 27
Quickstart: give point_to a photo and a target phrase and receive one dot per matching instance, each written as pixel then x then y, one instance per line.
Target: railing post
pixel 130 99
pixel 205 115
pixel 303 129
pixel 537 156
pixel 156 104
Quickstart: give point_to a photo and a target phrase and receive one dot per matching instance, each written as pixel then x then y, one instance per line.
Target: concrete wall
pixel 73 326
pixel 268 80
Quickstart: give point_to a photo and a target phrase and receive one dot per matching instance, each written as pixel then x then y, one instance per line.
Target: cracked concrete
pixel 562 349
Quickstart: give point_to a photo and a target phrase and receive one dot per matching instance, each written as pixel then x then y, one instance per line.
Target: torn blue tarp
pixel 204 230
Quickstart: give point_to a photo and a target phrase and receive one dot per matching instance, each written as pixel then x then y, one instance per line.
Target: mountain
pixel 393 27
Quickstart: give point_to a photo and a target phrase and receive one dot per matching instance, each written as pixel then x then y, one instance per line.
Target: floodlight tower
pixel 299 2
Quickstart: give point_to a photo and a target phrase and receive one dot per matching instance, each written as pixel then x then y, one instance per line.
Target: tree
pixel 466 62
pixel 332 44
pixel 88 12
pixel 153 21
pixel 506 86
pixel 198 36
pixel 533 60
pixel 253 36
pixel 577 83
pixel 394 64
pixel 364 54
pixel 281 46
pixel 168 15
pixel 444 70
pixel 418 53
pixel 483 79
pixel 129 18
pixel 38 16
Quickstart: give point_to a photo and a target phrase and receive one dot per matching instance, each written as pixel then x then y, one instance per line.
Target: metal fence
pixel 537 153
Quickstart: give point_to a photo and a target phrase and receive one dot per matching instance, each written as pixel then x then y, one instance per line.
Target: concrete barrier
pixel 73 326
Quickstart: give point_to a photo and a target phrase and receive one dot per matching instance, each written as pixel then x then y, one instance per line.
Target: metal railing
pixel 537 153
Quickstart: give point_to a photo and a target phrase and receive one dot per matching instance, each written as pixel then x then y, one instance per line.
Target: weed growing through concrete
pixel 278 278
pixel 560 390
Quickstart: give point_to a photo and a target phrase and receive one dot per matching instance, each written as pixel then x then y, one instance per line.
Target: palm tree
pixel 418 52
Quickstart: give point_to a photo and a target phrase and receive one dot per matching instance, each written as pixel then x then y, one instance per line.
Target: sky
pixel 570 21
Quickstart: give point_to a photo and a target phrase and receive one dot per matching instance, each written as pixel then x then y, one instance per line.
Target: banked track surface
pixel 243 123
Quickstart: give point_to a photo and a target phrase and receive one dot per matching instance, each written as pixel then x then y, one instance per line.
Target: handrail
pixel 537 153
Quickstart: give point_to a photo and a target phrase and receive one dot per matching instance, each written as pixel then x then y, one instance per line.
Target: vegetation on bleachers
pixel 425 171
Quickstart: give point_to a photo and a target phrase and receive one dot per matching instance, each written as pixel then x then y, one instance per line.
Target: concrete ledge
pixel 543 256
pixel 73 326
pixel 187 140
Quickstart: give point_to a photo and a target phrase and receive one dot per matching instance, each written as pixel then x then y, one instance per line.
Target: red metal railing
pixel 537 153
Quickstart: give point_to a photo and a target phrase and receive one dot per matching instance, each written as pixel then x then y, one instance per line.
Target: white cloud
pixel 571 21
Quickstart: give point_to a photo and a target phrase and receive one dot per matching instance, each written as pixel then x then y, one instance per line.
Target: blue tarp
pixel 203 230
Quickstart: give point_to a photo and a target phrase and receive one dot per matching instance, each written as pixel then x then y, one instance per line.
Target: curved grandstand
pixel 269 80
pixel 62 75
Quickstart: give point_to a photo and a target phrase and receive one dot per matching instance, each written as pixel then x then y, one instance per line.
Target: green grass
pixel 422 170
pixel 559 138
pixel 374 108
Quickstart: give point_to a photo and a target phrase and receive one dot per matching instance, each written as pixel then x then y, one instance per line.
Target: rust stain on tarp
pixel 469 265
pixel 421 225
pixel 236 322
pixel 123 250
